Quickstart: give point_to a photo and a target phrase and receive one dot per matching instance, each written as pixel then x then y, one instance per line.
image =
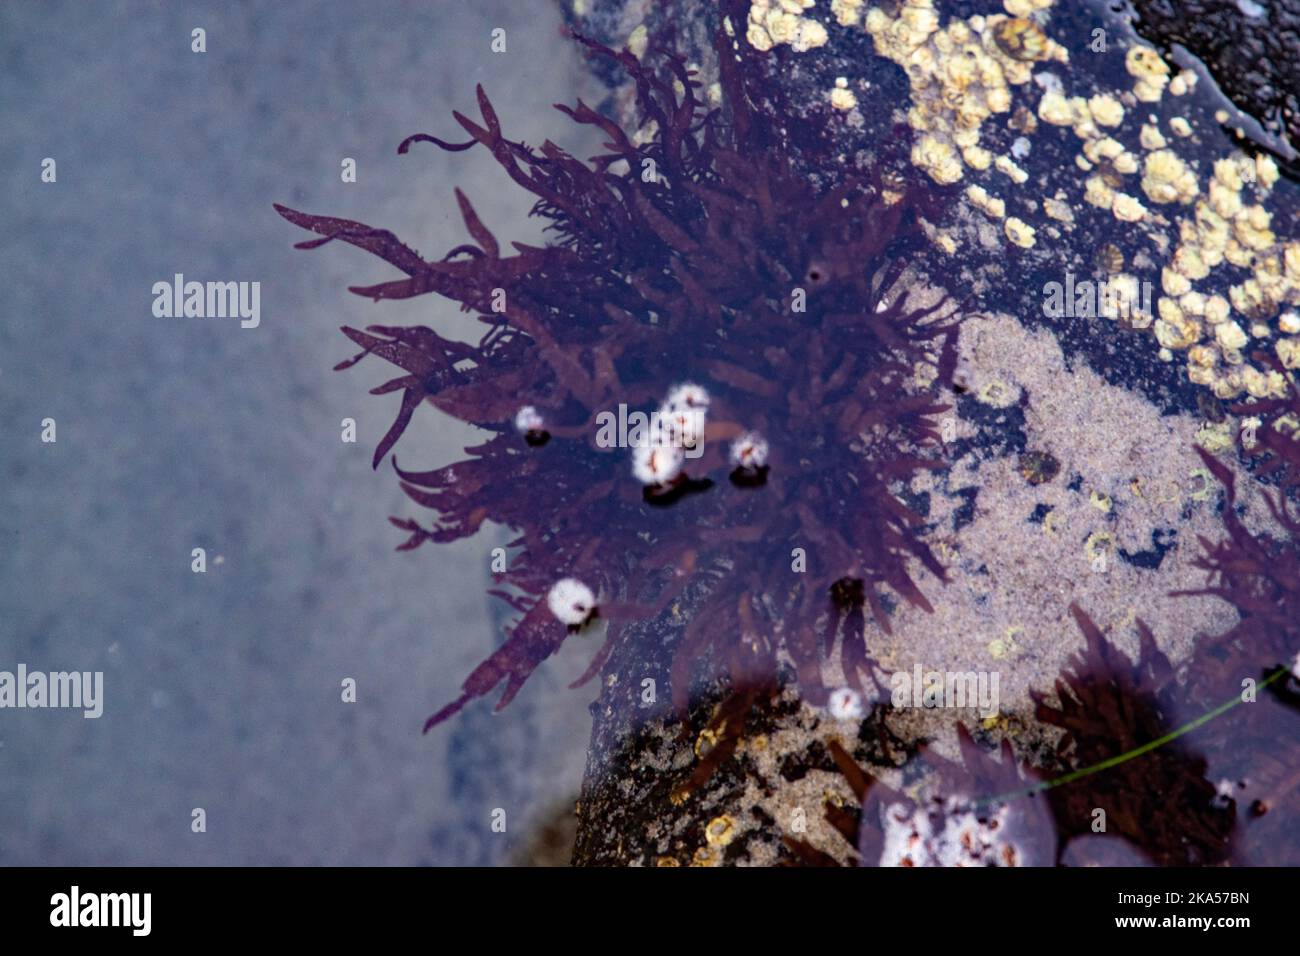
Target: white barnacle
pixel 686 396
pixel 683 425
pixel 845 704
pixel 529 419
pixel 571 601
pixel 656 464
pixel 749 451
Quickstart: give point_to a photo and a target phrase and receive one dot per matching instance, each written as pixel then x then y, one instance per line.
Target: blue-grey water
pixel 223 689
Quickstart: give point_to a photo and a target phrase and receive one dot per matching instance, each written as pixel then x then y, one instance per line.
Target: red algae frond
pixel 691 259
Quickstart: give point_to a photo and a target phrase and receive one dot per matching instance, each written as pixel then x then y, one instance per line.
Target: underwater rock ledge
pixel 719 788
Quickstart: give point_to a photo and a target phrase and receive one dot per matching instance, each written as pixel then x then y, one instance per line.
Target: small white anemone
pixel 687 395
pixel 682 425
pixel 571 601
pixel 656 464
pixel 529 419
pixel 749 451
pixel 1295 667
pixel 845 704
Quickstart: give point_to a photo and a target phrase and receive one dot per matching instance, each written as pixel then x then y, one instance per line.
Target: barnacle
pixel 1021 39
pixel 1109 259
pixel 657 464
pixel 749 451
pixel 1039 467
pixel 1019 232
pixel 530 423
pixel 845 704
pixel 528 419
pixel 1166 178
pixel 781 301
pixel 720 831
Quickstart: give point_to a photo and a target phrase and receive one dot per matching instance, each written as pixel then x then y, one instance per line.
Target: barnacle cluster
pixel 776 22
pixel 1149 71
pixel 1224 229
pixel 961 75
pixel 947 833
pixel 1220 227
pixel 779 306
pixel 1101 154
